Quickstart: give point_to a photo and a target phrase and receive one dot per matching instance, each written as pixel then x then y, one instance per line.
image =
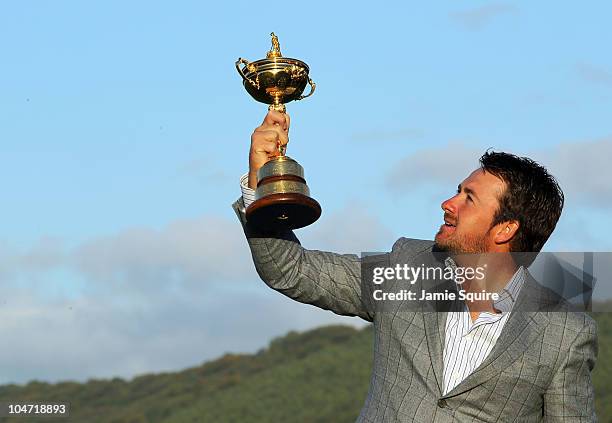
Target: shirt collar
pixel 508 294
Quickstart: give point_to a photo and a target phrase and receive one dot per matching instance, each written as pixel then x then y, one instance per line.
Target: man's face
pixel 469 214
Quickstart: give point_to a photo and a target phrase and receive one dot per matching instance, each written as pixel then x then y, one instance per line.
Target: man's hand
pixel 265 141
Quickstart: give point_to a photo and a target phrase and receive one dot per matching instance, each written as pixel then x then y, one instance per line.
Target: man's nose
pixel 449 205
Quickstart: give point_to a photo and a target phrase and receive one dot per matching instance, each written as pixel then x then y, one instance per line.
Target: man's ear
pixel 505 231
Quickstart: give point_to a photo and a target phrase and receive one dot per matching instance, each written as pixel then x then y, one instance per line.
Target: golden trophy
pixel 282 198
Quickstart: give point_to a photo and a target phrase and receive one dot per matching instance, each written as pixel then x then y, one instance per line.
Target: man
pixel 504 359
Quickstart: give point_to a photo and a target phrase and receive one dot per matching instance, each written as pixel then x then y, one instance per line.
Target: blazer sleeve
pixel 570 396
pixel 327 280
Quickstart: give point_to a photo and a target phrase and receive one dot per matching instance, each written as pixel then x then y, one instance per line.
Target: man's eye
pixel 469 197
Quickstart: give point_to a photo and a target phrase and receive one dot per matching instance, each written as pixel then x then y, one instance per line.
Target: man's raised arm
pixel 327 280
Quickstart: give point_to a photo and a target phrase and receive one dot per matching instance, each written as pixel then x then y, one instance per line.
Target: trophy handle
pixel 252 68
pixel 312 89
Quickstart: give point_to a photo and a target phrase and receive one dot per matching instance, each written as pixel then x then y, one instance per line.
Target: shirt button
pixel 442 403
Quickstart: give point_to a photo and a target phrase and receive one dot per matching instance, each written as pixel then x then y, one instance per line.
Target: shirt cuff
pixel 248 194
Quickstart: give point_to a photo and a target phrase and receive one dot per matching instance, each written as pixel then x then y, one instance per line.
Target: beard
pixel 461 244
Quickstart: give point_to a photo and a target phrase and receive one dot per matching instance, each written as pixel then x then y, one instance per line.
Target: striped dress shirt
pixel 466 343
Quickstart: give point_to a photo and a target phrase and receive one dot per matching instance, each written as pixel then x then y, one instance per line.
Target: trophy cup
pixel 282 199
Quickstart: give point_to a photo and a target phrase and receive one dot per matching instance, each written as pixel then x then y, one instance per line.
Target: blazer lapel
pixel 435 315
pixel 518 333
pixel 523 327
pixel 435 323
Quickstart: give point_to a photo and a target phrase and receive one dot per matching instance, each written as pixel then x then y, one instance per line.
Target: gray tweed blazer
pixel 539 369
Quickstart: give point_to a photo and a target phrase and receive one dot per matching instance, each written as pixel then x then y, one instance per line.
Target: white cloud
pixel 190 253
pixel 440 165
pixel 477 18
pixel 93 338
pixel 351 229
pixel 47 253
pixel 149 300
pixel 594 74
pixel 581 168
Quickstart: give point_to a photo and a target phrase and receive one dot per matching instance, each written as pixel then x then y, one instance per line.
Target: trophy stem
pixel 279 107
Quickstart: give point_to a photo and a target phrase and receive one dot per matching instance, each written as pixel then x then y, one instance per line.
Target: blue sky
pixel 124 128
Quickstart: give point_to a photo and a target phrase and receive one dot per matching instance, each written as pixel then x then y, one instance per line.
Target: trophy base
pixel 283 211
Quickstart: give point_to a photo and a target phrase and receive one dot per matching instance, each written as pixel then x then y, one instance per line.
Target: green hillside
pixel 317 376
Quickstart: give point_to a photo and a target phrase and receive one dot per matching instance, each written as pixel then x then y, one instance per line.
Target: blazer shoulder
pixel 412 246
pixel 577 320
pixel 410 250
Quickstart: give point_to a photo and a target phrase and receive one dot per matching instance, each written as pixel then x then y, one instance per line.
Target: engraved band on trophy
pixel 282 198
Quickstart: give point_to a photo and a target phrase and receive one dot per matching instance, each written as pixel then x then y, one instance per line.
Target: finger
pixel 266 146
pixel 274 118
pixel 287 122
pixel 273 133
pixel 266 142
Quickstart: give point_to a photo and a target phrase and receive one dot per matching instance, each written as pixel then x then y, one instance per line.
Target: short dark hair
pixel 532 197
